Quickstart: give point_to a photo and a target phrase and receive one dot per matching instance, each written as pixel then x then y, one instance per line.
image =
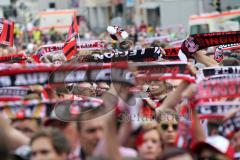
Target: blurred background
pixel 146 18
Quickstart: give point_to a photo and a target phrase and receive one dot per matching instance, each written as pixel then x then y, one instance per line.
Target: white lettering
pixel 5 81
pixel 20 80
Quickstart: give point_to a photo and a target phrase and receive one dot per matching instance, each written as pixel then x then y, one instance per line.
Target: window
pixel 197 29
pixel 52 5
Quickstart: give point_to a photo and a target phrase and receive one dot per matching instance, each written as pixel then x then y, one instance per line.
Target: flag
pixel 6 32
pixel 73 28
pixel 70 48
pixel 70 45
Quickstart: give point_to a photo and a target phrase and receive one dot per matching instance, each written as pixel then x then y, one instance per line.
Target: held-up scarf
pixel 6 32
pixel 217 71
pixel 140 55
pixel 24 111
pixel 163 70
pixel 22 75
pixel 13 93
pixel 200 41
pixel 16 58
pixel 230 127
pixel 77 110
pixel 208 110
pixel 83 45
pixel 218 55
pixel 132 55
pixel 64 109
pixel 219 88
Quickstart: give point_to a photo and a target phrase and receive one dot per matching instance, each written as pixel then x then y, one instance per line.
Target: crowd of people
pixel 151 121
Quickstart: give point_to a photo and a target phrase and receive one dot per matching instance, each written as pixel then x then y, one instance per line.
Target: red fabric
pixel 70 49
pixel 6 36
pixel 73 28
pixel 139 139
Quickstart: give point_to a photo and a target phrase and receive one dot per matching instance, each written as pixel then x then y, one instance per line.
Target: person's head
pixel 27 126
pixel 168 126
pixel 101 88
pixel 67 128
pixel 148 142
pixel 90 132
pixel 49 144
pixel 216 147
pixel 176 154
pixel 158 88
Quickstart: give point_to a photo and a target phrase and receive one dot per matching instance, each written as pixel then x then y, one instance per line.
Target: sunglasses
pixel 165 126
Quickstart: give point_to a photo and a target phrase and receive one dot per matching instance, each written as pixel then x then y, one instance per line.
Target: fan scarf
pixel 219 88
pixel 222 76
pixel 13 93
pixel 6 32
pixel 16 58
pixel 22 75
pixel 215 109
pixel 230 127
pixel 22 112
pixel 218 55
pixel 200 41
pixel 132 55
pixel 76 110
pixel 83 45
pixel 163 70
pixel 42 109
pixel 217 71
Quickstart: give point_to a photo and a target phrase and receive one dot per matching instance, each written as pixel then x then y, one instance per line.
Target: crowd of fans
pixel 146 129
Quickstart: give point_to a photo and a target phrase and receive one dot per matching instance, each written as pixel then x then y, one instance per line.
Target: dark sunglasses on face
pixel 165 126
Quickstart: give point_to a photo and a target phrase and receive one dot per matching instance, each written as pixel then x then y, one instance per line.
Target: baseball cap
pixel 218 143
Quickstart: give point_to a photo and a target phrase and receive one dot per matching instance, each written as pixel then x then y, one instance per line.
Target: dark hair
pixel 173 152
pixel 57 138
